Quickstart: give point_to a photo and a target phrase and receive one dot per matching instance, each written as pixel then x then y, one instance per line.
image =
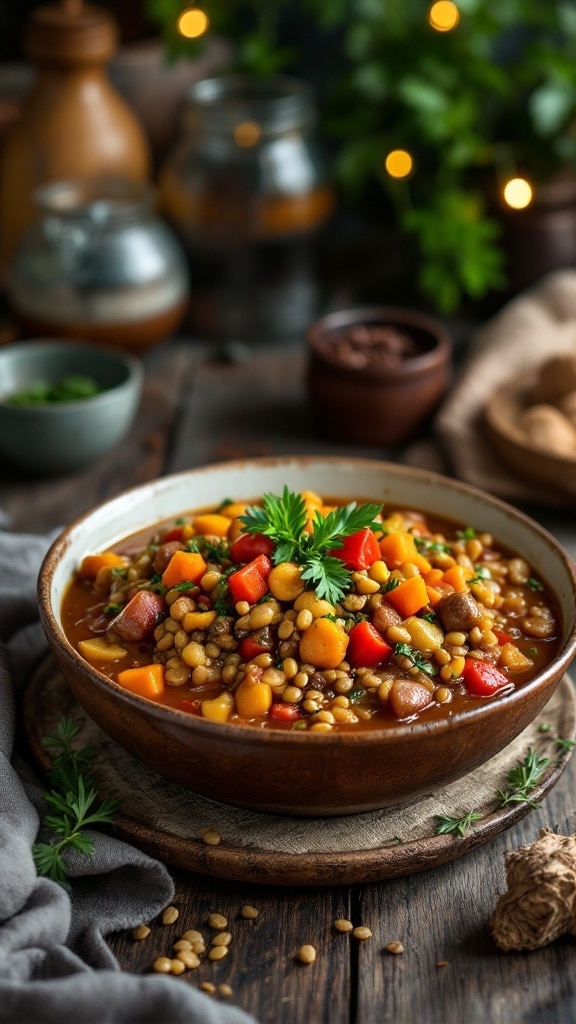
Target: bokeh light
pixel 399 163
pixel 443 15
pixel 247 134
pixel 518 193
pixel 192 23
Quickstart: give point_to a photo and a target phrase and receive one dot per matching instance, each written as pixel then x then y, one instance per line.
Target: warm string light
pixel 399 163
pixel 517 193
pixel 247 134
pixel 443 15
pixel 192 23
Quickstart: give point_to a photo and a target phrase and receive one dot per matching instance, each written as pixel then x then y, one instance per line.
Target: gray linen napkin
pixel 54 960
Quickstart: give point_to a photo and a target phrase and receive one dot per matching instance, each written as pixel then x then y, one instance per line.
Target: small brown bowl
pixel 376 375
pixel 292 772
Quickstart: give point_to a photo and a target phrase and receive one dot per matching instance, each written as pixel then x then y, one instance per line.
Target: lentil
pixel 362 932
pixel 249 912
pixel 211 837
pixel 217 921
pixel 395 947
pixel 170 915
pixel 342 924
pixel 307 954
pixel 142 931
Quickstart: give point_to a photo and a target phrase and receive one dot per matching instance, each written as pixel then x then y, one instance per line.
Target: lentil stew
pixel 301 612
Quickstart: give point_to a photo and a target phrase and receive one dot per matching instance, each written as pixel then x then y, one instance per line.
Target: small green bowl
pixel 50 438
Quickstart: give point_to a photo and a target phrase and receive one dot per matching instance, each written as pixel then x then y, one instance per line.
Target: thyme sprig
pixel 74 804
pixel 460 826
pixel 522 779
pixel 284 519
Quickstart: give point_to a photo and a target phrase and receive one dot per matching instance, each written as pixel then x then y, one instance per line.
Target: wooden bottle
pixel 74 125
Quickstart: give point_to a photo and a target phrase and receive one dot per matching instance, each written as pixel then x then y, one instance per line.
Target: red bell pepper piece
pixel 366 646
pixel 248 546
pixel 359 550
pixel 175 533
pixel 285 712
pixel 249 648
pixel 250 582
pixel 503 637
pixel 483 679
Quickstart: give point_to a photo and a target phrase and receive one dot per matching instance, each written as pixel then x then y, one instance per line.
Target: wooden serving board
pixel 168 821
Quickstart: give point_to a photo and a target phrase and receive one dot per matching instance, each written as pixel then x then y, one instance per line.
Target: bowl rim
pixel 409 731
pixel 436 357
pixel 128 361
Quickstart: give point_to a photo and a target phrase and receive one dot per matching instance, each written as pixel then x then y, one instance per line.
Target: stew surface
pixel 301 612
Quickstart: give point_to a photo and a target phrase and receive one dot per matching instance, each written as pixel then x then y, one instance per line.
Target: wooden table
pixel 203 405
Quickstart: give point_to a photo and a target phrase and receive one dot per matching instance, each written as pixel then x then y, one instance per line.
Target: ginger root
pixel 540 902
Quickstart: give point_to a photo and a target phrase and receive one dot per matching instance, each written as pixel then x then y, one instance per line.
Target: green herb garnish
pixel 72 388
pixel 533 583
pixel 416 657
pixel 522 779
pixel 458 825
pixel 74 802
pixel 284 519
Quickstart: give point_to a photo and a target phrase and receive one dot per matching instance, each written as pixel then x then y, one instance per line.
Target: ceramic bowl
pixel 536 465
pixel 290 772
pixel 49 437
pixel 376 375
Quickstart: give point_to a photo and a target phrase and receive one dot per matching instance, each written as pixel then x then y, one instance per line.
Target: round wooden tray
pixel 167 821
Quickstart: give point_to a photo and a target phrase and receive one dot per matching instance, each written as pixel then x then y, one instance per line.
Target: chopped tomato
pixel 284 712
pixel 174 534
pixel 249 648
pixel 193 707
pixel 366 646
pixel 483 679
pixel 359 550
pixel 502 637
pixel 248 546
pixel 250 582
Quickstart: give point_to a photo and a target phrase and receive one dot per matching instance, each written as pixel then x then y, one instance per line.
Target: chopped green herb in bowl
pixel 72 388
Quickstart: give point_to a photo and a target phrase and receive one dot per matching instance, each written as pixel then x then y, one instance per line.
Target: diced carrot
pixel 253 697
pixel 457 576
pixel 433 577
pixel 91 564
pixel 212 524
pixel 184 566
pixel 323 644
pixel 409 596
pixel 399 547
pixel 433 595
pixel 146 680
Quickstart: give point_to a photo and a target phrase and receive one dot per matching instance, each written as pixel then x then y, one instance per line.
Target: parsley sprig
pixel 74 804
pixel 284 518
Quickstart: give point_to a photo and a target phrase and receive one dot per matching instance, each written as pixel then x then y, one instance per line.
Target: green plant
pixel 473 106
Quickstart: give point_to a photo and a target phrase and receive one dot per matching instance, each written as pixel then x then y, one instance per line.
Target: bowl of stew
pixel 309 635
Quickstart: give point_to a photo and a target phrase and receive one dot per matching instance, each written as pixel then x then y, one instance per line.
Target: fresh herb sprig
pixel 74 802
pixel 284 518
pixel 522 779
pixel 460 826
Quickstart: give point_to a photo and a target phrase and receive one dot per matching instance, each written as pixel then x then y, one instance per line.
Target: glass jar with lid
pixel 99 263
pixel 246 189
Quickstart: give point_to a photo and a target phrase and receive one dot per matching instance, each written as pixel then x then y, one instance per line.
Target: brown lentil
pixel 395 947
pixel 189 958
pixel 211 837
pixel 162 965
pixel 225 990
pixel 208 987
pixel 170 915
pixel 217 921
pixel 142 931
pixel 249 912
pixel 222 939
pixel 342 924
pixel 362 932
pixel 306 954
pixel 217 952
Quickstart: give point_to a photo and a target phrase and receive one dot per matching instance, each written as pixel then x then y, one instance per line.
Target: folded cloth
pixel 539 323
pixel 54 961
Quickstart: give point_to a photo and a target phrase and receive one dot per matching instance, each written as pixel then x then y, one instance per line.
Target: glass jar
pixel 247 191
pixel 99 264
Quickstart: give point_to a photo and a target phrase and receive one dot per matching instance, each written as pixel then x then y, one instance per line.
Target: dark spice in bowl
pixel 376 375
